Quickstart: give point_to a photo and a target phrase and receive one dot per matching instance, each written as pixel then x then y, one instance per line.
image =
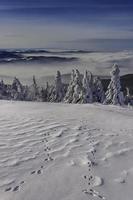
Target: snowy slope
pixel 65 152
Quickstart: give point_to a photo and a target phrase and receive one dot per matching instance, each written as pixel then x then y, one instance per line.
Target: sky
pixel 66 24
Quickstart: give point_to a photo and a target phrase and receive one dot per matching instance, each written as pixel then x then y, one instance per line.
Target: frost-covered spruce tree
pixel 35 87
pixel 43 95
pixel 26 93
pixel 70 90
pixel 3 89
pixel 17 90
pixel 90 78
pixel 92 86
pixel 87 96
pixel 16 85
pixel 58 90
pixel 33 91
pixel 47 91
pixel 78 88
pixel 2 85
pixel 114 95
pixel 99 94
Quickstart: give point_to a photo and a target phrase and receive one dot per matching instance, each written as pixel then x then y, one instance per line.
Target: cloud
pixel 51 23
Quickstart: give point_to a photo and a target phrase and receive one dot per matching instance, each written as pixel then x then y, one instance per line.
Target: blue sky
pixel 63 23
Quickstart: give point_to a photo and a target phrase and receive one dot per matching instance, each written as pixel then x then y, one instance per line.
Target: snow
pixel 87 85
pixel 99 63
pixel 58 89
pixel 65 151
pixel 114 95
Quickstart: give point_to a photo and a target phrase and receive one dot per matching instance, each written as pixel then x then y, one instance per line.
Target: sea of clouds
pixel 46 63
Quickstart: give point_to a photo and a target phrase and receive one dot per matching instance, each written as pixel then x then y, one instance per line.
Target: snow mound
pixel 98 181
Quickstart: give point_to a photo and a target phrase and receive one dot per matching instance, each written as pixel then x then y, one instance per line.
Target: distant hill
pixel 126 81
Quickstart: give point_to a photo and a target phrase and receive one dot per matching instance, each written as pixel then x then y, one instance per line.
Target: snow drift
pixel 65 151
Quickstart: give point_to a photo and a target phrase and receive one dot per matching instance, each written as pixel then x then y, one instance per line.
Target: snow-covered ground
pixel 65 152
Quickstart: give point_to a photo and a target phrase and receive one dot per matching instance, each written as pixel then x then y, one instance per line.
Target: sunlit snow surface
pixel 65 152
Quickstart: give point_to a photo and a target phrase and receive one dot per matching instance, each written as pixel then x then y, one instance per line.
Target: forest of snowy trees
pixel 81 89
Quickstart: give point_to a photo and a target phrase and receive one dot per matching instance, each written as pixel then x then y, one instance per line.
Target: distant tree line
pixel 81 89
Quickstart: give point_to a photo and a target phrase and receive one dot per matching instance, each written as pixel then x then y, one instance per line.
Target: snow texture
pixel 65 151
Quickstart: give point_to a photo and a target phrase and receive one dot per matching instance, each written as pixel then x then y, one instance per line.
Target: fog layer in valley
pixel 45 64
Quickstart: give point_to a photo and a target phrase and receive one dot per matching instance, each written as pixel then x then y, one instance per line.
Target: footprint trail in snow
pixel 72 151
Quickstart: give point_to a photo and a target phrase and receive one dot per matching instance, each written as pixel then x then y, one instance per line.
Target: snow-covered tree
pixel 57 93
pixel 74 91
pixel 87 95
pixel 70 90
pixel 35 87
pixel 98 93
pixel 26 93
pixel 43 94
pixel 114 95
pixel 17 90
pixel 129 97
pixel 2 89
pixel 33 91
pixel 16 85
pixel 78 88
pixel 47 91
pixel 2 85
pixel 91 84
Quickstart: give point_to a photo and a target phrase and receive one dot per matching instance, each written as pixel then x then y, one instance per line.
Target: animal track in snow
pixel 39 171
pixel 94 193
pixel 8 189
pixel 33 172
pixel 92 181
pixel 16 188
